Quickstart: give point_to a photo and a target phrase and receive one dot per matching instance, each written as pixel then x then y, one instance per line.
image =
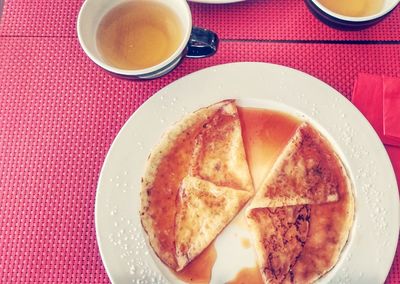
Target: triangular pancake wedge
pixel 306 172
pixel 219 154
pixel 330 225
pixel 167 165
pixel 279 235
pixel 203 210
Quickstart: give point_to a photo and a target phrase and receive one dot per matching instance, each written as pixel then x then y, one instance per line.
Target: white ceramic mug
pixel 339 21
pixel 195 43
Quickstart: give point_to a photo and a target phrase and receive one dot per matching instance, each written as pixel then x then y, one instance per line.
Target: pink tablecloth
pixel 59 114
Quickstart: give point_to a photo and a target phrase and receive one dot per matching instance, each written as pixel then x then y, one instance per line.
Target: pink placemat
pixel 252 19
pixel 282 20
pixel 59 113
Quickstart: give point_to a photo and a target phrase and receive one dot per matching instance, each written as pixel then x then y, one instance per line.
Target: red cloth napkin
pixel 378 98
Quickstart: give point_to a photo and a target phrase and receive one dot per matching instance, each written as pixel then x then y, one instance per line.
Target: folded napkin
pixel 378 98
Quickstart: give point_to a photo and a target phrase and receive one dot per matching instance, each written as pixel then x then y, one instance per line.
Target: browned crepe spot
pixel 201 155
pixel 306 172
pixel 219 155
pixel 279 237
pixel 329 229
pixel 168 164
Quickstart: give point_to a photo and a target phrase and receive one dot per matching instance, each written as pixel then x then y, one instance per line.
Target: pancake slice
pixel 205 150
pixel 307 172
pixel 328 233
pixel 168 164
pixel 302 214
pixel 219 155
pixel 203 210
pixel 279 235
pixel 217 186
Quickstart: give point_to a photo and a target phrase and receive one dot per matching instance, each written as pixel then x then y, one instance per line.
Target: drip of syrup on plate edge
pixel 198 271
pixel 248 275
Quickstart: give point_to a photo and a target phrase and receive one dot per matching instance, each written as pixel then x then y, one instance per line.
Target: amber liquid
pixel 248 276
pixel 353 8
pixel 199 270
pixel 245 243
pixel 138 34
pixel 265 134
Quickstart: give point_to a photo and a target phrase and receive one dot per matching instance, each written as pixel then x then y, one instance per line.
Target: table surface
pixel 59 114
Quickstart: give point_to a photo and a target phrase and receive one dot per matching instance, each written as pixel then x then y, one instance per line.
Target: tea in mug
pixel 138 34
pixel 353 8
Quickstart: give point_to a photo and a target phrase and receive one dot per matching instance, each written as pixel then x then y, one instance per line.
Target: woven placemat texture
pixel 39 18
pixel 252 19
pixel 59 114
pixel 282 20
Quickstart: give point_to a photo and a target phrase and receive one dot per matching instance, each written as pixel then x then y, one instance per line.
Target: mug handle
pixel 202 43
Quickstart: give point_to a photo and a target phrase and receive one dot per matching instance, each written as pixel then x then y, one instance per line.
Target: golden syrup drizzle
pixel 245 243
pixel 248 275
pixel 265 134
pixel 198 271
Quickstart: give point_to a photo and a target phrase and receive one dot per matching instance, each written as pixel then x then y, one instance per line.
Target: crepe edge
pixel 242 198
pixel 166 143
pixel 259 201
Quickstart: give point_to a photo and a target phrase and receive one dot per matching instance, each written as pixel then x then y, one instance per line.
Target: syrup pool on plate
pixel 248 275
pixel 199 270
pixel 265 134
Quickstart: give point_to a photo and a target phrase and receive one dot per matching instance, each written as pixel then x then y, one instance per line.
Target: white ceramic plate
pixel 369 252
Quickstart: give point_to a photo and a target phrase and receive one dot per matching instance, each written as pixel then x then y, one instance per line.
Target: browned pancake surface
pixel 309 173
pixel 205 149
pixel 279 236
pixel 217 186
pixel 305 173
pixel 167 166
pixel 329 230
pixel 162 194
pixel 219 155
pixel 310 210
pixel 204 209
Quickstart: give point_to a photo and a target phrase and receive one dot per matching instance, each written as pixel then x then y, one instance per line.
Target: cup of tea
pixel 351 15
pixel 141 39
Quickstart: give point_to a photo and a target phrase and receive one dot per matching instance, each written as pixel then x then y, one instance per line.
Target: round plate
pixel 370 249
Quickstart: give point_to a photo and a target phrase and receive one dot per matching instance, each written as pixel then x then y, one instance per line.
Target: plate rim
pixel 188 77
